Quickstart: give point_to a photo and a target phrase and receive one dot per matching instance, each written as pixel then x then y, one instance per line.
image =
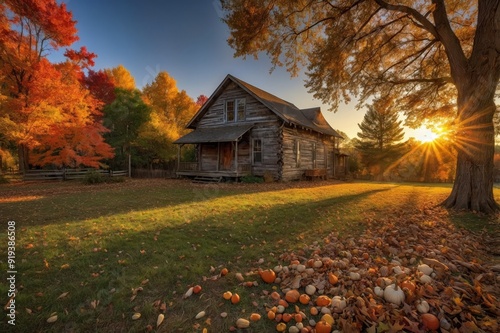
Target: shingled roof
pixel 309 118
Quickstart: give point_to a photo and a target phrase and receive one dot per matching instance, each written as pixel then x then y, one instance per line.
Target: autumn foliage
pixel 48 110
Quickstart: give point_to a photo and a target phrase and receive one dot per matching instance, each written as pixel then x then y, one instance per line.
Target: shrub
pixel 93 177
pixel 3 179
pixel 252 179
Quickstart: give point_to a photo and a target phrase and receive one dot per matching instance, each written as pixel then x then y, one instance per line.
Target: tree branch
pixel 425 23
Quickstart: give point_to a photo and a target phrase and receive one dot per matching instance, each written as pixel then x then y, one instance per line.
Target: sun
pixel 426 135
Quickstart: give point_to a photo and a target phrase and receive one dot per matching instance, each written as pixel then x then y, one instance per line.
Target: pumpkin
pixel 423 307
pixel 224 271
pixel 268 275
pixel 338 303
pixel 310 289
pixel 255 317
pixel 275 295
pixel 287 317
pixel 283 302
pixel 323 300
pixel 242 323
pixel 227 295
pixel 378 291
pixel 197 289
pixel 332 278
pixel 323 327
pixel 292 296
pixel 271 315
pixel 281 327
pixel 408 285
pixel 394 294
pixel 235 298
pixel 328 318
pixel 299 317
pixel 430 321
pixel 314 311
pixel 304 299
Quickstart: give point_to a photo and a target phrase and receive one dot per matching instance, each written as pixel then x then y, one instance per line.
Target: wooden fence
pixel 153 173
pixel 69 174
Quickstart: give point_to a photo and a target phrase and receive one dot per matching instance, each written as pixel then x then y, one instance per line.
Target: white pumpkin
pixel 423 306
pixel 378 291
pixel 426 269
pixel 394 294
pixel 338 303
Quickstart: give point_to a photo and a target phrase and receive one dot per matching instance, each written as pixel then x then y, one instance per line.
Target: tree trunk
pixel 473 186
pixel 23 155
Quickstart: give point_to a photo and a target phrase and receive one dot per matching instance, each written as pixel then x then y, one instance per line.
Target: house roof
pixel 309 118
pixel 215 134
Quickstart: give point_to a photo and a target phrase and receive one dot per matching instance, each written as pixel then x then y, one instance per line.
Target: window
pixel 257 151
pixel 229 111
pixel 235 110
pixel 240 106
pixel 297 153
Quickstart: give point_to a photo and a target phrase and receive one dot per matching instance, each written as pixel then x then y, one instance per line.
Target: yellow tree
pixel 434 57
pixel 121 77
pixel 171 111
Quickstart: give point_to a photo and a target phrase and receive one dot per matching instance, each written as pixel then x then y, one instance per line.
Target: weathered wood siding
pixel 255 111
pixel 324 148
pixel 209 156
pixel 268 133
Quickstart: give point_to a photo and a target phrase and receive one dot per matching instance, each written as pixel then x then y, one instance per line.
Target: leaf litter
pixel 445 273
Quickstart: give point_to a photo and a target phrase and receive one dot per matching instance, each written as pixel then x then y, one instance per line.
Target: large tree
pixel 171 111
pixel 436 58
pixel 380 138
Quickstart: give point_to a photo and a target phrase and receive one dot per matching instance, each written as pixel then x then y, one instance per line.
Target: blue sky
pixel 187 39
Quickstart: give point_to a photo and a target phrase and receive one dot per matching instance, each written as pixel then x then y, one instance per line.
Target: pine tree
pixel 379 141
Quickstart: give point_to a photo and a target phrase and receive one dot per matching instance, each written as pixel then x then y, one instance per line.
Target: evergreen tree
pixel 379 141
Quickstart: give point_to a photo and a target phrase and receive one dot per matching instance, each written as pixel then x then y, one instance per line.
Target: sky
pixel 188 40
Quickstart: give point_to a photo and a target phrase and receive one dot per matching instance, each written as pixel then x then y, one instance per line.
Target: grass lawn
pixel 82 251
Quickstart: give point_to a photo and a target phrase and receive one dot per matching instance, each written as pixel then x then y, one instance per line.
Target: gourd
pixel 323 300
pixel 323 327
pixel 430 321
pixel 423 307
pixel 268 275
pixel 394 294
pixel 292 296
pixel 338 303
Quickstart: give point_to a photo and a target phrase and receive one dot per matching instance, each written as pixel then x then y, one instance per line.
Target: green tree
pixel 434 57
pixel 379 141
pixel 124 117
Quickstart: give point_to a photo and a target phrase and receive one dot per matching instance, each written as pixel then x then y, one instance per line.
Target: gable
pixel 286 111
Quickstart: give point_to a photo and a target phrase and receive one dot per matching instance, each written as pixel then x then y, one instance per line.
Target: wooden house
pixel 242 130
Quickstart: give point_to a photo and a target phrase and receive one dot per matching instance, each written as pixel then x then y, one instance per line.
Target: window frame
pixel 238 110
pixel 254 152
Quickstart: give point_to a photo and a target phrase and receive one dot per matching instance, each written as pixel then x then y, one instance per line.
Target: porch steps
pixel 207 179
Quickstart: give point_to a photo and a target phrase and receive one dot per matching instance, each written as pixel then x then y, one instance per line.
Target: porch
pixel 219 152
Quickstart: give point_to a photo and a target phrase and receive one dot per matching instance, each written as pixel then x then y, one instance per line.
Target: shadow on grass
pixel 170 257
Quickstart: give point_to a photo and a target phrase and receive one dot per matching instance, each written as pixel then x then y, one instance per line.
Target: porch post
pixel 178 156
pixel 218 156
pixel 236 158
pixel 334 163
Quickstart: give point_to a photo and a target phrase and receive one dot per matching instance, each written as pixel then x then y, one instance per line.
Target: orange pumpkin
pixel 323 300
pixel 314 311
pixel 408 285
pixel 197 289
pixel 271 315
pixel 332 278
pixel 287 317
pixel 275 295
pixel 268 275
pixel 224 271
pixel 255 317
pixel 235 298
pixel 292 296
pixel 304 299
pixel 323 327
pixel 430 321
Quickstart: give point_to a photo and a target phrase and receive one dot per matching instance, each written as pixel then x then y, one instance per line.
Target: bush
pixel 93 177
pixel 252 179
pixel 3 179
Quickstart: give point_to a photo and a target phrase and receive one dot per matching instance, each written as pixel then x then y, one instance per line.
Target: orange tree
pixel 435 58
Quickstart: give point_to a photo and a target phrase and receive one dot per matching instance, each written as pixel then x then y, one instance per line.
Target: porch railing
pixel 193 166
